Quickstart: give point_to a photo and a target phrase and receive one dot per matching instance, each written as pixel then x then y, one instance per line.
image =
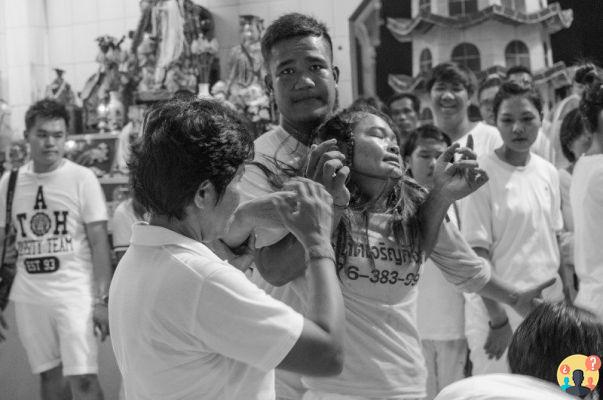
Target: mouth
pixel 392 160
pixel 306 99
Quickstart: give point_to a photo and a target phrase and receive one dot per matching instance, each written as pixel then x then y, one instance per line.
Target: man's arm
pixel 101 262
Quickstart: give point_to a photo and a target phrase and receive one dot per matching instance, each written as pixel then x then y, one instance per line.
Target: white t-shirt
pixel 502 387
pixel 187 325
pixel 586 195
pixel 486 138
pixel 441 308
pixel 123 219
pixel 50 212
pixel 515 216
pixel 383 353
pixel 290 155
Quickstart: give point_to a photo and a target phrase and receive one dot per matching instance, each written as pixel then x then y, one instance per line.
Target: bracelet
pixel 501 325
pixel 314 253
pixel 342 207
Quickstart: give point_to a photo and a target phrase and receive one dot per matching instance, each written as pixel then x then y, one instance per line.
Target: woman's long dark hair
pixel 403 200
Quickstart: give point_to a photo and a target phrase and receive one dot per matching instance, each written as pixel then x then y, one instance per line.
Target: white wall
pixel 491 38
pixel 39 35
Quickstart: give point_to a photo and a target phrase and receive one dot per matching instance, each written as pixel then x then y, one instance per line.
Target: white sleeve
pixel 254 184
pixel 92 199
pixel 3 190
pixel 476 218
pixel 240 321
pixel 122 226
pixel 458 262
pixel 556 214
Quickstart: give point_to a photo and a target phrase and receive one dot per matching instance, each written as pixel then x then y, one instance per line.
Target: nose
pixel 517 127
pixel 394 148
pixel 303 81
pixel 49 141
pixel 447 95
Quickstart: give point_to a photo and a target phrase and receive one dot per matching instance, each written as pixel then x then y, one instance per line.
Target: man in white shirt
pixel 64 265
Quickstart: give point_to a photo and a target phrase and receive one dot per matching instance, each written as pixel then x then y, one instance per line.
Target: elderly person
pixel 186 324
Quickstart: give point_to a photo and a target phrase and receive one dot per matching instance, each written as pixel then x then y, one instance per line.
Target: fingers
pixel 469 142
pixel 466 153
pixel 316 152
pixel 448 155
pixel 538 289
pixel 341 177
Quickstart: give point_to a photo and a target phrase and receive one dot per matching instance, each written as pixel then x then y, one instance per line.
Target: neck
pixel 42 168
pixel 181 226
pixel 377 190
pixel 302 132
pixel 455 128
pixel 597 145
pixel 515 158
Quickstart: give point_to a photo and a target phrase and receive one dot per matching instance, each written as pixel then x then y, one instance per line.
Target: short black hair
pixel 427 131
pixel 591 103
pixel 416 103
pixel 183 144
pixel 451 72
pixel 518 69
pixel 548 335
pixel 293 25
pixel 583 74
pixel 571 129
pixel 488 83
pixel 45 109
pixel 512 89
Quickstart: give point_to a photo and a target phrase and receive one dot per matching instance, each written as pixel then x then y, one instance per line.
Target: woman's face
pixel 518 121
pixel 581 144
pixel 376 150
pixel 423 159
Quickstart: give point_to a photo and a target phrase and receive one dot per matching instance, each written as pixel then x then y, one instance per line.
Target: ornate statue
pixel 174 42
pixel 245 62
pixel 109 78
pixel 60 90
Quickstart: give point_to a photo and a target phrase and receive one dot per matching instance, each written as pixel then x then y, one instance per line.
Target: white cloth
pixel 515 216
pixel 586 195
pixel 441 308
pixel 50 213
pixel 503 387
pixel 123 219
pixel 383 354
pixel 486 138
pixel 446 362
pixel 290 154
pixel 543 146
pixel 187 325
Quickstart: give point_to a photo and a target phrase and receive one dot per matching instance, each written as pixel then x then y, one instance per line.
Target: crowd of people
pixel 345 254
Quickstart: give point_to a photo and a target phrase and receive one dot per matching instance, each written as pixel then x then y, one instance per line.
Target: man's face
pixel 404 115
pixel 486 103
pixel 521 78
pixel 450 100
pixel 304 80
pixel 47 142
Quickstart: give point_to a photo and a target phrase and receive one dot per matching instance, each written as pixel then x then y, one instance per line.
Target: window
pixel 425 61
pixel 517 53
pixel 518 5
pixel 461 7
pixel 467 55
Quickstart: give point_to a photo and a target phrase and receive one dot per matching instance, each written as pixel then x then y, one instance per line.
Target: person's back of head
pixel 591 103
pixel 548 335
pixel 521 75
pixel 293 25
pixel 183 144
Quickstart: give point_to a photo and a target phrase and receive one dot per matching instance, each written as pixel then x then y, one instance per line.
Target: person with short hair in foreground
pixel 186 324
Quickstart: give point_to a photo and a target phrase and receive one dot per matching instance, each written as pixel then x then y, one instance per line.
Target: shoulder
pixel 268 142
pixel 545 166
pixel 78 171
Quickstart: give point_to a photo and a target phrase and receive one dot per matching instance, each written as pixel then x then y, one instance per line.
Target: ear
pixel 335 73
pixel 268 82
pixel 206 196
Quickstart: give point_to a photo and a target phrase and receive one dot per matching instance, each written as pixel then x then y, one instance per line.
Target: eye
pixel 528 118
pixel 506 120
pixel 316 67
pixel 286 71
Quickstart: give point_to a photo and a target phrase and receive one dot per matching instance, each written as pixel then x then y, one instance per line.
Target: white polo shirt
pixel 187 325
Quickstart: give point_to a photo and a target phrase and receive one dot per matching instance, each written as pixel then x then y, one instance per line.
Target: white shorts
pixel 58 334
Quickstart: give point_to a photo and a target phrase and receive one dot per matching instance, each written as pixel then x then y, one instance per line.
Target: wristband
pixel 316 253
pixel 501 325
